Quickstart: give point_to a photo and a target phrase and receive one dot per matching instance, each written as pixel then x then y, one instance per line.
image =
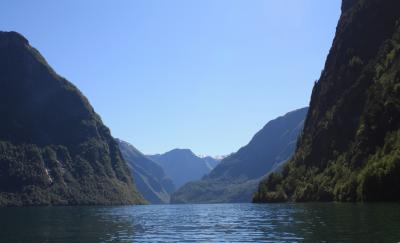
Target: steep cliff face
pixel 54 149
pixel 274 143
pixel 150 178
pixel 351 141
pixel 236 177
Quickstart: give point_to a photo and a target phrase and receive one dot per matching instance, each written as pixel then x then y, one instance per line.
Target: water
pixel 328 222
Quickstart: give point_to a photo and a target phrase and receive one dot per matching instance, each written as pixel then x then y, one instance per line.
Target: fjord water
pixel 203 223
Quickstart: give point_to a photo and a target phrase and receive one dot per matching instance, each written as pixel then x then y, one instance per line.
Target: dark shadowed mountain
pixel 236 177
pixel 182 165
pixel 54 148
pixel 150 179
pixel 350 148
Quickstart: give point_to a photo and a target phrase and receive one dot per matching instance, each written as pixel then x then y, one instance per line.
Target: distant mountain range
pixel 54 148
pixel 149 176
pixel 183 166
pixel 236 177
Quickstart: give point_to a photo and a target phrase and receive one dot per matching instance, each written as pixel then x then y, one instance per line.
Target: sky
pixel 199 74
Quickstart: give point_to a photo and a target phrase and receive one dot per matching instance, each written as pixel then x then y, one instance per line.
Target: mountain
pixel 54 148
pixel 182 165
pixel 211 162
pixel 150 179
pixel 350 148
pixel 236 177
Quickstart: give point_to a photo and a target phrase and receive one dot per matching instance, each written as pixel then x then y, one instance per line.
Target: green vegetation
pixel 236 177
pixel 54 149
pixel 216 191
pixel 350 148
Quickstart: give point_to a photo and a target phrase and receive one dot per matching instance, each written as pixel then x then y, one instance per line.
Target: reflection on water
pixel 203 223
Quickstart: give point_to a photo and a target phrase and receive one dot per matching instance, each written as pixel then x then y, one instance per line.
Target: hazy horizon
pixel 204 75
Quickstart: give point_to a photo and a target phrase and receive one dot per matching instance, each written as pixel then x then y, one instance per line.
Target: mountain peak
pixel 12 37
pixel 181 151
pixel 149 176
pixel 235 178
pixel 182 165
pixel 51 135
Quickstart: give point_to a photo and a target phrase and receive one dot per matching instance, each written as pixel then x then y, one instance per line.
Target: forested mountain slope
pixel 350 147
pixel 54 149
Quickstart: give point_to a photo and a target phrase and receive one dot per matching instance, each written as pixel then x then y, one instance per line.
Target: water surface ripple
pixel 324 222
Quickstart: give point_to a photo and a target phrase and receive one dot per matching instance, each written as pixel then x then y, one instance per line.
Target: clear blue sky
pixel 198 74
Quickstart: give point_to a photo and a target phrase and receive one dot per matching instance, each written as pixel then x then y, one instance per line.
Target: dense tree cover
pixel 54 149
pixel 236 177
pixel 350 148
pixel 149 177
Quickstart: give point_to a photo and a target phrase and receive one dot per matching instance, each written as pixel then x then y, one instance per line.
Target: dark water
pixel 204 223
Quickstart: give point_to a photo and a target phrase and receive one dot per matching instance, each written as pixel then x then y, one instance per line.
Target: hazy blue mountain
pixel 182 165
pixel 150 178
pixel 54 148
pixel 211 161
pixel 236 177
